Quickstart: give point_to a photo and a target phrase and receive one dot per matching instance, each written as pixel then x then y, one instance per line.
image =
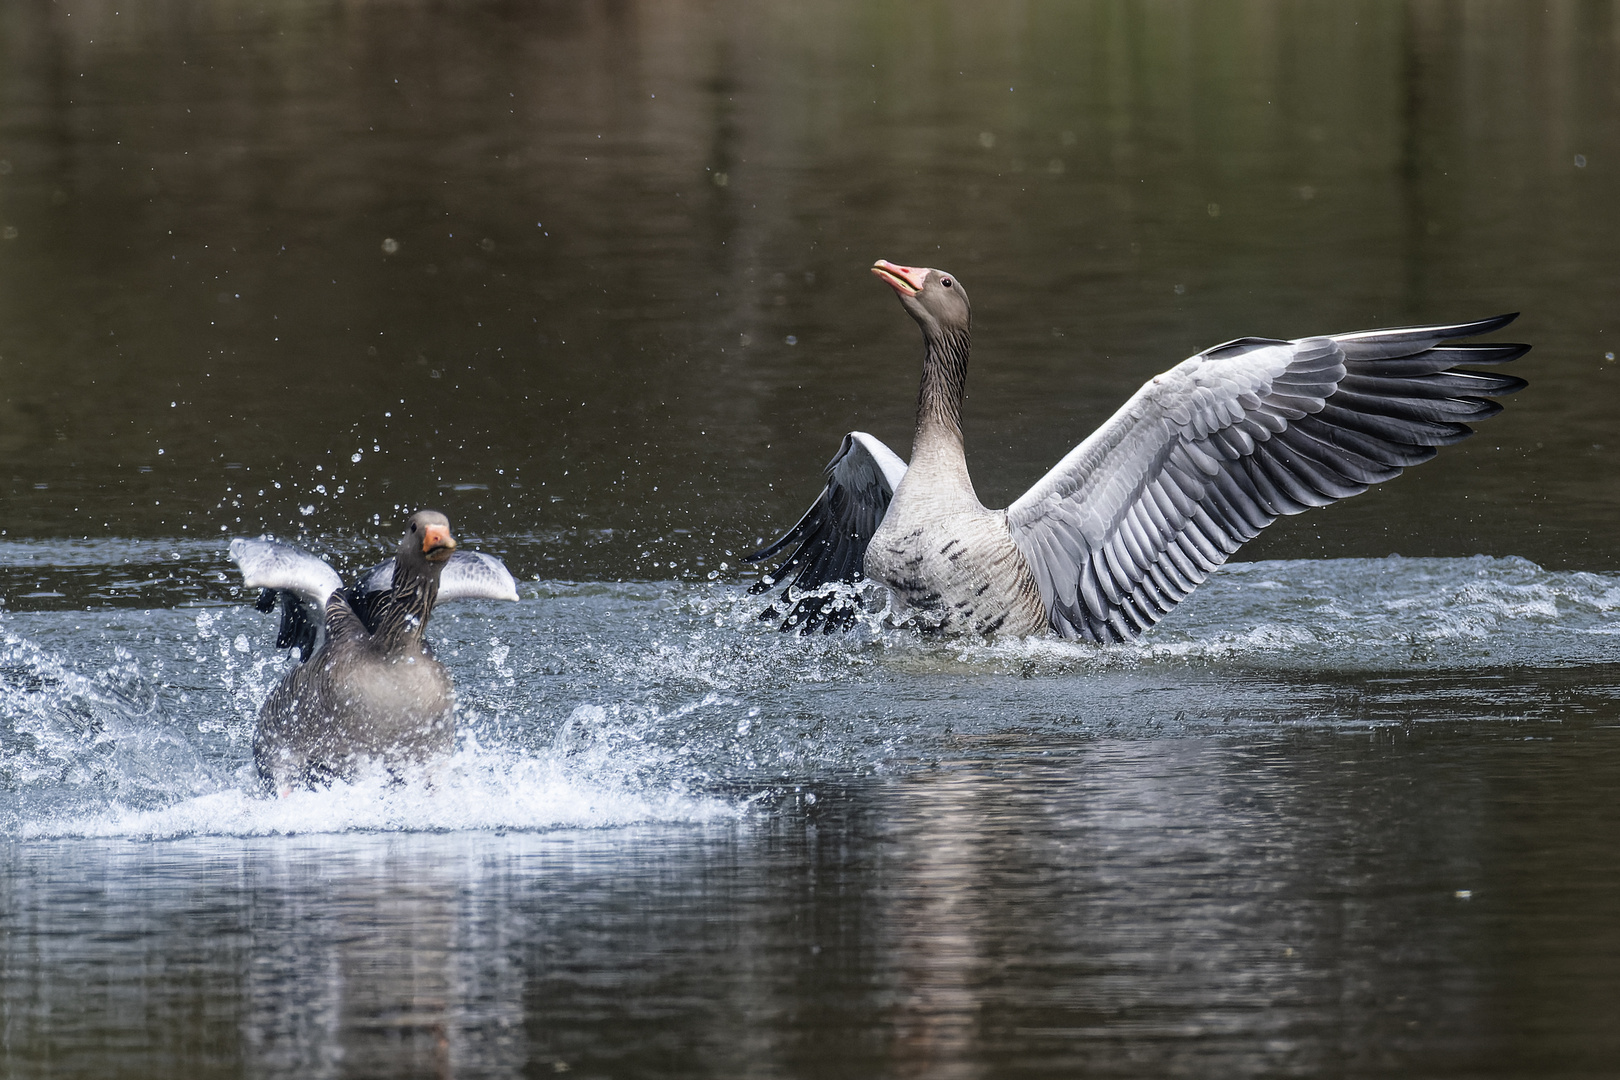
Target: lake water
pixel 591 278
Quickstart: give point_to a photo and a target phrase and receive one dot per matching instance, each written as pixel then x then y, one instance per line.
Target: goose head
pixel 933 297
pixel 427 539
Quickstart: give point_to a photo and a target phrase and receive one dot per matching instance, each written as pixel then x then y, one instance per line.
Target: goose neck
pixel 404 616
pixel 937 445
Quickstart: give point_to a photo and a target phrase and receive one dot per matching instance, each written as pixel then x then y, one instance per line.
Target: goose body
pixel 367 686
pixel 952 562
pixel 357 698
pixel 1133 519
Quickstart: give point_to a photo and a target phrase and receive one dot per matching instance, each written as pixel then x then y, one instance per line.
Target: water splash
pixel 476 789
pixel 598 704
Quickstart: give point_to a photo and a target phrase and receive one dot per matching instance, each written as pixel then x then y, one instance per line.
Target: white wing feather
pixel 473 575
pixel 271 564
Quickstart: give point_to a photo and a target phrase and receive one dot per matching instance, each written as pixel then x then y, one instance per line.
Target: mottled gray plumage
pixel 372 689
pixel 1133 519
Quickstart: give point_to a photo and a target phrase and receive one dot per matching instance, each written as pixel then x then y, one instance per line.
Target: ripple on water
pixel 593 705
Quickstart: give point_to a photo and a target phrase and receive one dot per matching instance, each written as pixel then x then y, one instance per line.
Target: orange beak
pixel 437 543
pixel 905 280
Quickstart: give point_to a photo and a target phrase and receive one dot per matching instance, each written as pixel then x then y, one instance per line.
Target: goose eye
pixel 945 282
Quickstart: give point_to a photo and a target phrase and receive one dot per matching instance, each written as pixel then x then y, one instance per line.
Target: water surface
pixel 591 278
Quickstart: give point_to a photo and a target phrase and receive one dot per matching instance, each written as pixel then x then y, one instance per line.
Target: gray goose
pixel 1133 519
pixel 371 688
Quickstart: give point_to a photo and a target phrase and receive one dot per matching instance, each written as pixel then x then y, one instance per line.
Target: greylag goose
pixel 372 689
pixel 1133 519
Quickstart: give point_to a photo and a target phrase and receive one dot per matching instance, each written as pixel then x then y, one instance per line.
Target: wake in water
pixel 590 705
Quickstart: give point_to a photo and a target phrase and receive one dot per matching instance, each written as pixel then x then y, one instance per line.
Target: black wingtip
pixel 763 553
pixel 1487 326
pixel 1431 332
pixel 1470 353
pixel 1506 384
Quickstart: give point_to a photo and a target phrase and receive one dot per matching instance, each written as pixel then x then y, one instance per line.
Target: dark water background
pixel 591 278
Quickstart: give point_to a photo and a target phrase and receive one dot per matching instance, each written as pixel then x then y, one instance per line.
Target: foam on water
pixel 1392 614
pixel 596 705
pixel 476 789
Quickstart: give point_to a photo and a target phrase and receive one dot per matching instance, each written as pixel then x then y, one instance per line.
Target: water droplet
pixel 792 339
pixel 355 457
pixel 1580 161
pixel 390 246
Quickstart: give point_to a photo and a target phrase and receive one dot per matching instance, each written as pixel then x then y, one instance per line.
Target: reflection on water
pixel 1296 905
pixel 590 276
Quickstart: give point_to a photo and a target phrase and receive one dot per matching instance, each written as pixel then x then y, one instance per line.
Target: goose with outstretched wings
pixel 367 685
pixel 1133 519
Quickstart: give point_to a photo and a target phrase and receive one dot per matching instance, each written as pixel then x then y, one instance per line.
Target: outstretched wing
pixel 831 537
pixel 1212 451
pixel 270 564
pixel 301 582
pixel 473 575
pixel 467 575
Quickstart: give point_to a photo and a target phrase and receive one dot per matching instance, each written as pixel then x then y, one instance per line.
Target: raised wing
pixel 301 582
pixel 832 536
pixel 467 575
pixel 473 575
pixel 1212 451
pixel 270 564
